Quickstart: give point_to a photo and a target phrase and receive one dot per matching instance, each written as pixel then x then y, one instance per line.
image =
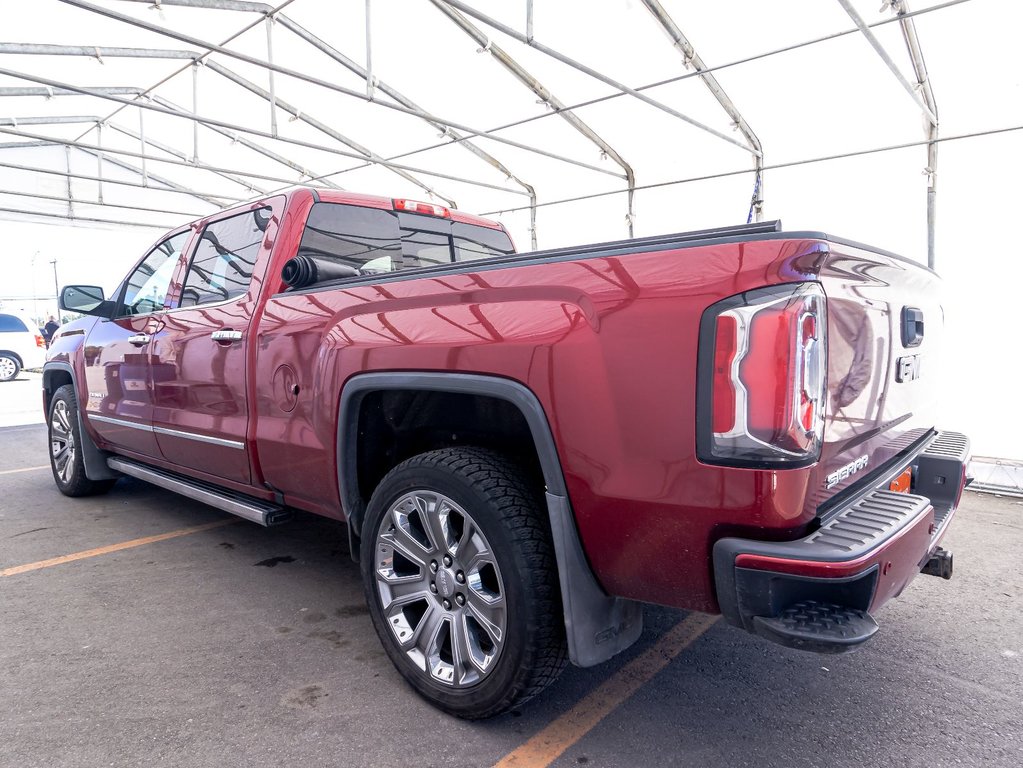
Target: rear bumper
pixel 817 592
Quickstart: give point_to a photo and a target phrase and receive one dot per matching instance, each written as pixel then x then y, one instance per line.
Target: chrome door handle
pixel 139 339
pixel 226 335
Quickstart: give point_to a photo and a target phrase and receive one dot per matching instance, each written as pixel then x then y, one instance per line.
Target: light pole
pixel 56 289
pixel 35 298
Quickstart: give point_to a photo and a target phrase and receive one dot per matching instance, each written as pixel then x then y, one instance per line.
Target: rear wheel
pixel 461 581
pixel 9 367
pixel 65 447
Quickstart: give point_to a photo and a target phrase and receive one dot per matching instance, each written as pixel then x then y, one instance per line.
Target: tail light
pixel 40 342
pixel 763 358
pixel 414 206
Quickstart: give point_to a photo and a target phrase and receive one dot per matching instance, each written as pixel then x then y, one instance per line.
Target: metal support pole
pixel 195 110
pixel 325 129
pixel 142 145
pixel 100 93
pixel 216 199
pixel 399 97
pixel 56 287
pixel 531 82
pixel 529 21
pixel 692 59
pixel 93 119
pixel 595 74
pixel 99 160
pixel 70 198
pixel 908 26
pixel 876 45
pixel 270 74
pixel 299 75
pixel 369 53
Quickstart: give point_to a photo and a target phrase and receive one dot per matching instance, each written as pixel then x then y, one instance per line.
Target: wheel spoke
pixel 489 614
pixel 461 655
pixel 405 516
pixel 402 542
pixel 402 593
pixel 59 432
pixel 473 550
pixel 62 414
pixel 63 461
pixel 434 514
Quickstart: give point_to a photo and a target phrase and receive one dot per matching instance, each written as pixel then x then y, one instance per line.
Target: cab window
pixel 374 240
pixel 224 258
pixel 146 288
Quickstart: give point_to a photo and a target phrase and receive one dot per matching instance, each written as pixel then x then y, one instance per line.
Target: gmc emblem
pixel 907 368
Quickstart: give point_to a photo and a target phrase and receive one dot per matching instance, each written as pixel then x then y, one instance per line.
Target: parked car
pixel 528 447
pixel 20 348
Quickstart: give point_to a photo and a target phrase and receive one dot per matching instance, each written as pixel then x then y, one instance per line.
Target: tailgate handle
pixel 139 339
pixel 912 326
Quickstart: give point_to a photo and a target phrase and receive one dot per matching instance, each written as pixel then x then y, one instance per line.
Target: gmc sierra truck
pixel 527 447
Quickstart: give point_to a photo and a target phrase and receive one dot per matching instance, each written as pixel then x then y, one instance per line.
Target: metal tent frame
pixel 270 138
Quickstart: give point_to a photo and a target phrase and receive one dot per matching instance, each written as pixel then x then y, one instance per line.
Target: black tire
pixel 516 535
pixel 65 441
pixel 10 367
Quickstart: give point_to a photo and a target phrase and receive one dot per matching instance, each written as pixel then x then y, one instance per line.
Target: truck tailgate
pixel 885 322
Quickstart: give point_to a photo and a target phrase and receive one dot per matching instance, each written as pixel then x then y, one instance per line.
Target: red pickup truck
pixel 527 447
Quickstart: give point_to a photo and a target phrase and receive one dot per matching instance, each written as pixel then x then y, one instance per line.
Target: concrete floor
pixel 242 646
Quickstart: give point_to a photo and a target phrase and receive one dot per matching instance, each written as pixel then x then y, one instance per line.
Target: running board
pixel 255 510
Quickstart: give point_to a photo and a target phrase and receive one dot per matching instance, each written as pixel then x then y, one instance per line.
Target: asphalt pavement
pixel 235 645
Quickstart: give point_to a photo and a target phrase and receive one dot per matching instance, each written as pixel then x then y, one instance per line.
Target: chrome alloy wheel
pixel 62 441
pixel 440 589
pixel 7 368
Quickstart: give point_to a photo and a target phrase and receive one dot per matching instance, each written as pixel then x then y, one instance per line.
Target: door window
pixel 146 287
pixel 222 265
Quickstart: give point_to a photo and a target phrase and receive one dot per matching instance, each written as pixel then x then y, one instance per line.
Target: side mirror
pixel 86 299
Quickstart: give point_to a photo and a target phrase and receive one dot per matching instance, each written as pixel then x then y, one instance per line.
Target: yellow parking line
pixel 14 571
pixel 550 743
pixel 26 469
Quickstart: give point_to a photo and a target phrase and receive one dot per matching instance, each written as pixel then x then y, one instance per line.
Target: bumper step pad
pixel 820 627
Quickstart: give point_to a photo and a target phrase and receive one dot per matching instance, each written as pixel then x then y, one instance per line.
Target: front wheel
pixel 461 581
pixel 65 436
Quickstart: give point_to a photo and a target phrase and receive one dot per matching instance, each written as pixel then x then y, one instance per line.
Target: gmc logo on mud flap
pixel 610 633
pixel 849 469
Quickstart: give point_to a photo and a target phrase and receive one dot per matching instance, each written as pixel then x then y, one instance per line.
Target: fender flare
pixel 597 625
pixel 95 459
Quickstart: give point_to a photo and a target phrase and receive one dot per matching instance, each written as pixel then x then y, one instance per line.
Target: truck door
pixel 200 353
pixel 119 402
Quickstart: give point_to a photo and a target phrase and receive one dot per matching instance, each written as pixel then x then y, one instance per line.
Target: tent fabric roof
pixel 145 112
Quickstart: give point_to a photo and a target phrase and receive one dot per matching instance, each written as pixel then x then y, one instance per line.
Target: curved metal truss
pixel 289 144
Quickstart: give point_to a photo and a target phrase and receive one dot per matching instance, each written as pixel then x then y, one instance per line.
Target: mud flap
pixel 597 625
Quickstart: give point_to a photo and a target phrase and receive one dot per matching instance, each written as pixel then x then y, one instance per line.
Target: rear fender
pixel 597 625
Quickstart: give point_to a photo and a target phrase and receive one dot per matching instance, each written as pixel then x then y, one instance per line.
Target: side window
pixel 146 287
pixel 222 264
pixel 374 240
pixel 472 242
pixel 364 238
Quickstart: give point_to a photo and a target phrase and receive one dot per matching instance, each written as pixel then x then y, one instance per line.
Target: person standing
pixel 51 327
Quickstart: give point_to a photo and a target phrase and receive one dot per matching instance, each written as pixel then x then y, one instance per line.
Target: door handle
pixel 139 339
pixel 227 336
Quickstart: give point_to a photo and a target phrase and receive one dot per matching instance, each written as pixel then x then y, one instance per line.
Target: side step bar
pixel 255 510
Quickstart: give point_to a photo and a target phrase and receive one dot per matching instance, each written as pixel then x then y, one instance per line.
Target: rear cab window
pixel 378 241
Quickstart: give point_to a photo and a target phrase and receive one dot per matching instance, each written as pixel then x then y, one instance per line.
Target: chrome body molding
pixel 169 432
